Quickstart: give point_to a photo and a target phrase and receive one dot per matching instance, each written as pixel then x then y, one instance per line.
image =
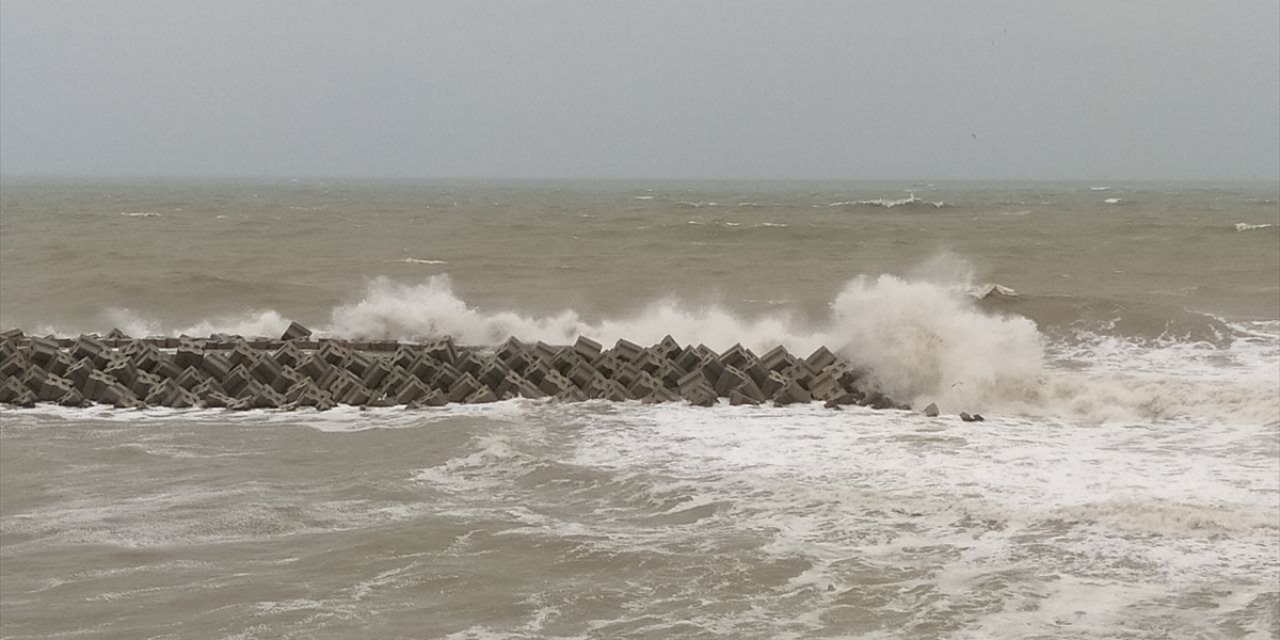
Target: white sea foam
pixel 1052 514
pixel 1112 201
pixel 421 261
pixel 141 214
pixel 251 323
pixel 887 203
pixel 392 310
pixel 1245 226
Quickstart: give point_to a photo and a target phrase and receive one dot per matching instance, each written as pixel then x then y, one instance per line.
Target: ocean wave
pixel 1077 318
pixel 917 339
pixel 992 290
pixel 141 214
pixel 1245 226
pixel 421 261
pixel 730 224
pixel 911 201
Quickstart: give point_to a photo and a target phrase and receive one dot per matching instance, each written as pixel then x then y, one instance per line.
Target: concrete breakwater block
pixel 231 372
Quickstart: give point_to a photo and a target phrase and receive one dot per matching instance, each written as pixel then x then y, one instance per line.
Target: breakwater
pixel 296 371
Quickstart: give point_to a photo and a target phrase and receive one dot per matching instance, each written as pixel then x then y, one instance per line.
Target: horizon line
pixel 63 177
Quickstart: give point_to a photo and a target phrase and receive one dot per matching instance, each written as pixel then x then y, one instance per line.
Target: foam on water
pixel 788 522
pixel 1011 527
pixel 1245 226
pixel 890 203
pixel 421 261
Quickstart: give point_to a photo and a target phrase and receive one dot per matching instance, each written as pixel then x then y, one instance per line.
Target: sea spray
pixel 921 339
pixel 917 339
pixel 924 341
pixel 134 323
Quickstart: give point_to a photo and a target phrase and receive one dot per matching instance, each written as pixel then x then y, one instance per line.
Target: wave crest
pixel 921 339
pixel 912 201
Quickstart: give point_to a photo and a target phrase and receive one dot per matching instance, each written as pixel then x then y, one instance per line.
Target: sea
pixel 1122 341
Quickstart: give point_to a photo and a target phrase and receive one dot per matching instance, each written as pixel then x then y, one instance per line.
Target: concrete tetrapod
pixel 297 371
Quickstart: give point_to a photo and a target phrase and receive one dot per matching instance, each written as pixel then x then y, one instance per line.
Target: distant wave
pixel 642 197
pixel 911 201
pixel 1112 201
pixel 421 261
pixel 1099 188
pixel 141 214
pixel 1245 226
pixel 732 224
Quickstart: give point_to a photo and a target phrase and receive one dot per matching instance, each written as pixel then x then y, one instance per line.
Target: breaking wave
pixel 421 261
pixel 911 201
pixel 1245 226
pixel 922 339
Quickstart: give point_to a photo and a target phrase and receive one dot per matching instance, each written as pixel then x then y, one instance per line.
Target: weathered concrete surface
pixel 232 372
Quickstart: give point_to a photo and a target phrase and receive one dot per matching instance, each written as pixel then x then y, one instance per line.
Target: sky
pixel 897 90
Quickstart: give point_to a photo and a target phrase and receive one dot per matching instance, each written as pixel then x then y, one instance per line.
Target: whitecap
pixel 887 203
pixel 421 261
pixel 1245 226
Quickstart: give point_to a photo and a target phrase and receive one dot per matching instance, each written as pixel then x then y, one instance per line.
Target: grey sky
pixel 827 90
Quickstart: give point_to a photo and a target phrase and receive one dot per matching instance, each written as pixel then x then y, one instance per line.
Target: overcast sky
pixel 790 90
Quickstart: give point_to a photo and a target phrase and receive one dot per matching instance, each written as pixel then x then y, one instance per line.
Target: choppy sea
pixel 1123 341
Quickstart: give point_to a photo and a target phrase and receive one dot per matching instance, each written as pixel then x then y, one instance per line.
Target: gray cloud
pixel 857 90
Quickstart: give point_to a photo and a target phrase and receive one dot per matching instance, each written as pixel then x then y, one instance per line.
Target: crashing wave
pixel 924 338
pixel 1245 226
pixel 141 214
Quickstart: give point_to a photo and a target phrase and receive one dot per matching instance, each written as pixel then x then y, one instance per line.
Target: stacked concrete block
pixel 297 371
pixel 296 332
